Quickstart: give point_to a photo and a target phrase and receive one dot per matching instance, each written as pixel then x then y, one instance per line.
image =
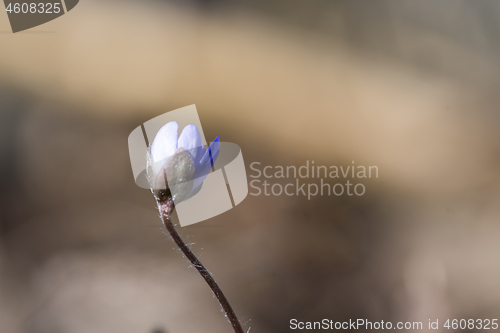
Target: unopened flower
pixel 178 166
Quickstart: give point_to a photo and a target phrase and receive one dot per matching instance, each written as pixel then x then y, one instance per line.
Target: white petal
pixel 164 144
pixel 190 140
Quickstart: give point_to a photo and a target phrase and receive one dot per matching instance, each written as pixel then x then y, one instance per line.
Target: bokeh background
pixel 409 86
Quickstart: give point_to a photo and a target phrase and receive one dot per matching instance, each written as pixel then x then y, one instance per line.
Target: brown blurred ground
pixel 409 88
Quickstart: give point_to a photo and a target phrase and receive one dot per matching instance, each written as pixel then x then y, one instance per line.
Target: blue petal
pixel 214 151
pixel 206 163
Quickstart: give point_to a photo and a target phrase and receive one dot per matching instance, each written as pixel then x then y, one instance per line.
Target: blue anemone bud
pixel 177 166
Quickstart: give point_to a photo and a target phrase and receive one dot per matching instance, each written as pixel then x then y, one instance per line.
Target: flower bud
pixel 177 167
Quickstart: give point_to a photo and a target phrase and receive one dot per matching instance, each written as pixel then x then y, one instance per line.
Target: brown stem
pixel 166 209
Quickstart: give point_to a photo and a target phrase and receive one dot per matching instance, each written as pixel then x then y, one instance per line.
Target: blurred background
pixel 409 86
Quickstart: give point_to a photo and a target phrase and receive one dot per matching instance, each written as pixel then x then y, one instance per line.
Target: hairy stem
pixel 166 209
